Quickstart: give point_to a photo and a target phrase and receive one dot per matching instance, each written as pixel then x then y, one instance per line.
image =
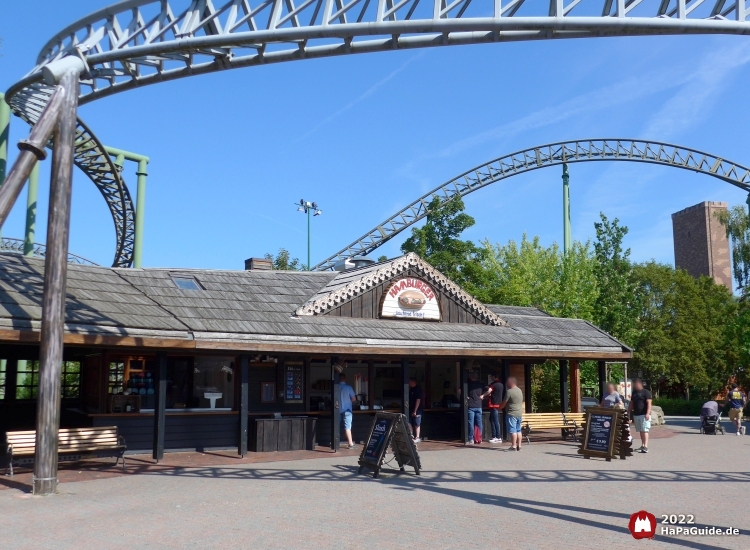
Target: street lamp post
pixel 311 209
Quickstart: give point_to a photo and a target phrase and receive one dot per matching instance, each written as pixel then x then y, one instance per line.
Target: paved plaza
pixel 546 496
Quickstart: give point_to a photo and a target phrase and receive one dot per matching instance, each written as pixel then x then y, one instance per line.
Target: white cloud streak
pixel 369 92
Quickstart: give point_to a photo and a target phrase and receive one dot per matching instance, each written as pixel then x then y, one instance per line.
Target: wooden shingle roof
pixel 255 310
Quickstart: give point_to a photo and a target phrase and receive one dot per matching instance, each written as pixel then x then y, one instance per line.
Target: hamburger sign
pixel 410 298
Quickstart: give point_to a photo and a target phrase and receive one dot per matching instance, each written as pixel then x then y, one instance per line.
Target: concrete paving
pixel 546 496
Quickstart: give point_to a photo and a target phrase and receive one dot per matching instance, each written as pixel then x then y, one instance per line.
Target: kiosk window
pixel 27 379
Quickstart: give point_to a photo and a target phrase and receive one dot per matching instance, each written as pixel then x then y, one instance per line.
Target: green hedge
pixel 680 407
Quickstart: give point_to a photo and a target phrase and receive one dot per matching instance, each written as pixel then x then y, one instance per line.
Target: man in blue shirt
pixel 737 400
pixel 348 397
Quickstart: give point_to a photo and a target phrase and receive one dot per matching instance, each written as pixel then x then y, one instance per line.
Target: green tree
pixel 615 304
pixel 736 221
pixel 532 275
pixel 438 242
pixel 284 262
pixel 685 330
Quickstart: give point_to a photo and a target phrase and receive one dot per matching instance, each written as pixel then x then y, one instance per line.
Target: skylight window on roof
pixel 187 283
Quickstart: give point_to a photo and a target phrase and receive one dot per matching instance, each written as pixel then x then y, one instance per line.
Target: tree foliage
pixel 736 221
pixel 689 336
pixel 283 261
pixel 438 242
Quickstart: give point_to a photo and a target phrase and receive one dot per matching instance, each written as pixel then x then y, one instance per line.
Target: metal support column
pixel 160 416
pixel 244 396
pixel 53 300
pixel 31 206
pixel 602 368
pixel 405 393
pixel 527 368
pixel 335 407
pixel 4 136
pixel 140 205
pixel 566 209
pixel 309 215
pixel 563 386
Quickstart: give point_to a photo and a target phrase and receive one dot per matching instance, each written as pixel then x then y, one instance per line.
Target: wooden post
pixel 575 387
pixel 427 390
pixel 371 384
pixel 527 368
pixel 53 301
pixel 160 416
pixel 602 367
pixel 11 379
pixel 244 397
pixel 465 435
pixel 563 385
pixel 405 387
pixel 335 407
pixel 505 369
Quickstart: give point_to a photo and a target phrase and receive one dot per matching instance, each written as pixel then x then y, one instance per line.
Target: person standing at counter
pixel 496 398
pixel 348 397
pixel 477 392
pixel 416 402
pixel 514 403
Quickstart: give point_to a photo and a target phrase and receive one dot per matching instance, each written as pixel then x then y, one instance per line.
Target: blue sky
pixel 365 135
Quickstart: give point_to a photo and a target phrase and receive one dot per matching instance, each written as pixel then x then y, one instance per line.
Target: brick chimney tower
pixel 701 246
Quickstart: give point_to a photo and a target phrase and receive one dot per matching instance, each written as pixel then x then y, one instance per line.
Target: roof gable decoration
pixel 391 270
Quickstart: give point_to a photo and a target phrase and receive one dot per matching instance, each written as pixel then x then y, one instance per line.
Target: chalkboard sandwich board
pixel 602 437
pixel 389 429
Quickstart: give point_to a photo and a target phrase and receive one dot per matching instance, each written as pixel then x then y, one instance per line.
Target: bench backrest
pixel 70 439
pixel 543 419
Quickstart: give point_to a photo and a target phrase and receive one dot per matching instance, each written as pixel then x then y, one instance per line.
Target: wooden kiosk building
pixel 198 359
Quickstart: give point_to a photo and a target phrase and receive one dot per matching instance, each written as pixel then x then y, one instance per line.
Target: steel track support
pixel 566 209
pixel 53 301
pixel 31 206
pixel 140 201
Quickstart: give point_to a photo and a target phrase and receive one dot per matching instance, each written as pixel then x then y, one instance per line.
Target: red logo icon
pixel 642 525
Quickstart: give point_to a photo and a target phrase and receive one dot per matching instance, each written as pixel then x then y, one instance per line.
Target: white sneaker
pixel 494 440
pixel 418 440
pixel 738 433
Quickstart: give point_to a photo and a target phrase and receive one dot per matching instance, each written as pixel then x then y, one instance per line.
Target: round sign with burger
pixel 410 298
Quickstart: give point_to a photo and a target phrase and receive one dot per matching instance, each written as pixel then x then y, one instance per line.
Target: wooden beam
pixel 575 387
pixel 602 368
pixel 527 369
pixel 465 435
pixel 244 404
pixel 563 386
pixel 405 387
pixel 160 418
pixel 138 342
pixel 371 384
pixel 53 299
pixel 335 407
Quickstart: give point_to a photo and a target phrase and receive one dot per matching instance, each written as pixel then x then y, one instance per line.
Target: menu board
pixel 378 438
pixel 600 432
pixel 293 383
pixel 605 435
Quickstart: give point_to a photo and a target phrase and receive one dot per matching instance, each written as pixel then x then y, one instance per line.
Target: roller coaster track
pixel 520 162
pixel 135 43
pixel 94 161
pixel 15 246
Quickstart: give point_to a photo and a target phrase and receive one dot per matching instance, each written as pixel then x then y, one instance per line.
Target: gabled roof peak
pixel 354 282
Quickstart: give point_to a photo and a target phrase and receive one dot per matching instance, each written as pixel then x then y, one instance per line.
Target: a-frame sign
pixel 389 429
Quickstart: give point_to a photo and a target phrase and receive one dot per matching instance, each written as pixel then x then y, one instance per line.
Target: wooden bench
pixel 73 444
pixel 550 421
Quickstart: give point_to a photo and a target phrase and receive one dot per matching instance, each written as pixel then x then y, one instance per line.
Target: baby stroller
pixel 711 425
